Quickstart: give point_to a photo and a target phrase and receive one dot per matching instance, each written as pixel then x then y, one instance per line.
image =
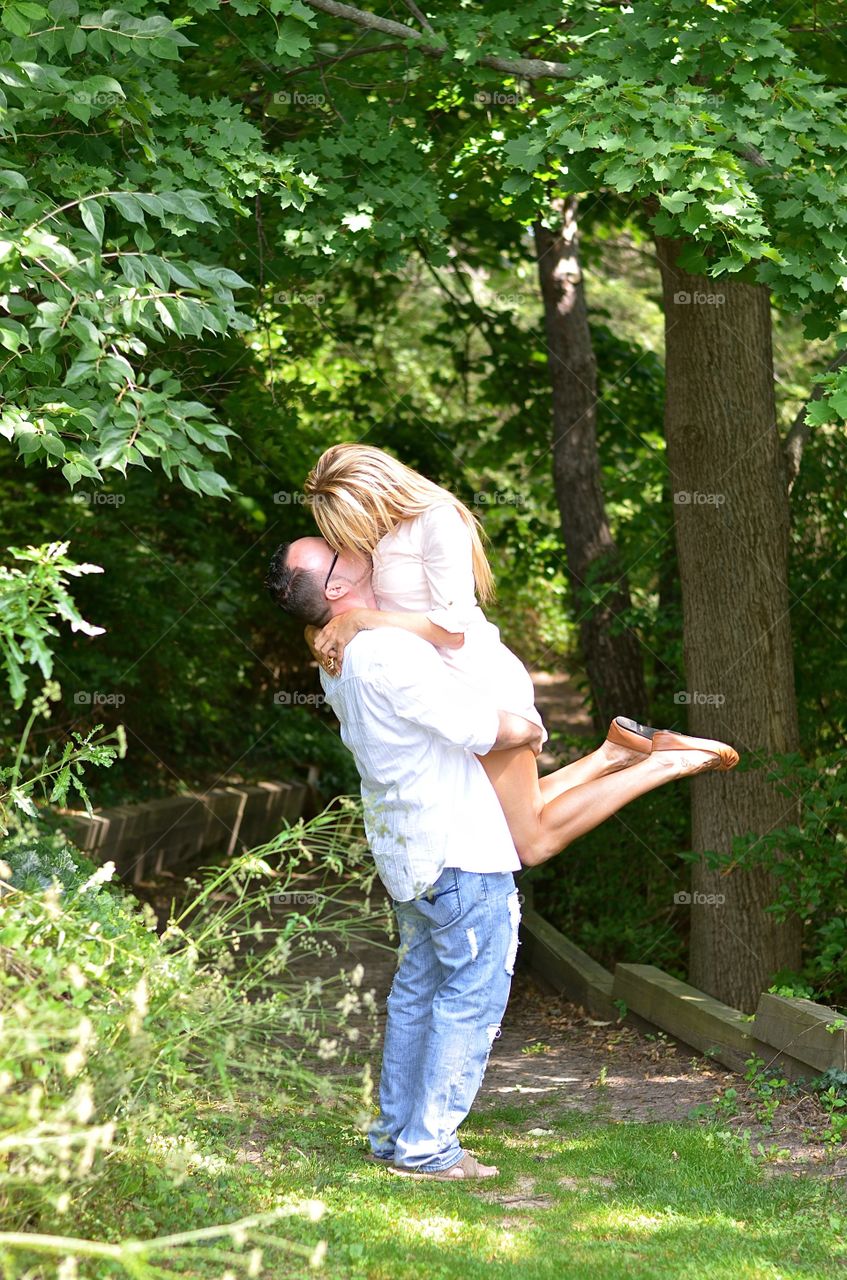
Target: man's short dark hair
pixel 296 591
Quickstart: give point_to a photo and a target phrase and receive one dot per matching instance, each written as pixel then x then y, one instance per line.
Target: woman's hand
pixel 331 641
pixel 310 634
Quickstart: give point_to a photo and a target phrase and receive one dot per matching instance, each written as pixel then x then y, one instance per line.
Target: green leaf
pixel 131 268
pixel 96 85
pixel 10 335
pixel 151 203
pixel 127 205
pixel 188 479
pixel 156 269
pixel 93 217
pixel 195 208
pixel 13 20
pixel 838 401
pixel 357 221
pixel 164 314
pixel 213 484
pixel 81 110
pixel 79 371
pixel 76 41
pixel 292 41
pixel 23 802
pixel 53 445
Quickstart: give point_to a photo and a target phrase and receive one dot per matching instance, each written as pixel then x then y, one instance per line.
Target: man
pixel 442 849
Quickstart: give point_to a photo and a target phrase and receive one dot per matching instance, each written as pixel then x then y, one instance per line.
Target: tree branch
pixel 526 68
pixel 795 441
pixel 421 17
pixel 346 57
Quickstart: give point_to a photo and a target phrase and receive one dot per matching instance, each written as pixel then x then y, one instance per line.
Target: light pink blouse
pixel 425 565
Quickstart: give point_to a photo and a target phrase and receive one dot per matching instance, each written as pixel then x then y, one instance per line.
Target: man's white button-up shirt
pixel 414 730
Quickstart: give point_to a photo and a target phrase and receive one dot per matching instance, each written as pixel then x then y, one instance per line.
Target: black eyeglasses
pixel 331 569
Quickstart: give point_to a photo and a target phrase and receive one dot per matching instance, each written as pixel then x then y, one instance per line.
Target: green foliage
pixel 807 863
pixel 819 588
pixel 831 1089
pixel 106 180
pixel 770 1089
pixel 113 1032
pixel 612 892
pixel 30 599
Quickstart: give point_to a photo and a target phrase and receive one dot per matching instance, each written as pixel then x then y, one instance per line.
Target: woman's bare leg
pixel 608 758
pixel 540 830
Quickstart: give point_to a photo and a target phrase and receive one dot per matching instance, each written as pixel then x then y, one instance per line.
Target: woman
pixel 429 566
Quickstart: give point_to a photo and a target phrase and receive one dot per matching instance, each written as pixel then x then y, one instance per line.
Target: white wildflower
pixel 84 1103
pixel 74 1061
pixel 36 1093
pixel 140 1006
pixel 100 876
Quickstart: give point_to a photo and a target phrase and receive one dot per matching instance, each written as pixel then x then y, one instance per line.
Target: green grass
pixel 588 1200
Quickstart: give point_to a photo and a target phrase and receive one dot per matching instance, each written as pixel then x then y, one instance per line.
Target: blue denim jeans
pixel 458 944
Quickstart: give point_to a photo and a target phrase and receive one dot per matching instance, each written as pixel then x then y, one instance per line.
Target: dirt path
pixel 563 712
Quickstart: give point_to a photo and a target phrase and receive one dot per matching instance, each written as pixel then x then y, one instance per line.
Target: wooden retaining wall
pixel 798 1038
pixel 170 834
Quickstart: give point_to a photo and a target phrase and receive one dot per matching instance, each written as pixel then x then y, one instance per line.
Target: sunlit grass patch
pixel 604 1201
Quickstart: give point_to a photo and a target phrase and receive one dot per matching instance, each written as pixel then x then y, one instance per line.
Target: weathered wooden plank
pixel 789 1036
pixel 565 966
pixel 800 1028
pixel 166 833
pixel 690 1015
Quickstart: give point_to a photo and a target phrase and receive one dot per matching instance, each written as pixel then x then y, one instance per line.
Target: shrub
pixel 110 1030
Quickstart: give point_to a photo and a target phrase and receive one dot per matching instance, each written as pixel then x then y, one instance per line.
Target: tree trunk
pixel 611 652
pixel 731 517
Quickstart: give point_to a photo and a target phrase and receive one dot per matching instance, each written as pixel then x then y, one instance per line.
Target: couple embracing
pixel 440 718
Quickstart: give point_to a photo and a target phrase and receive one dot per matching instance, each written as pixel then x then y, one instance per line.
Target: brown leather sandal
pixel 630 734
pixel 667 740
pixel 467 1167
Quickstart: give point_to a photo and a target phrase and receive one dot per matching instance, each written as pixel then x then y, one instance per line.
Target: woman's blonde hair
pixel 358 494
